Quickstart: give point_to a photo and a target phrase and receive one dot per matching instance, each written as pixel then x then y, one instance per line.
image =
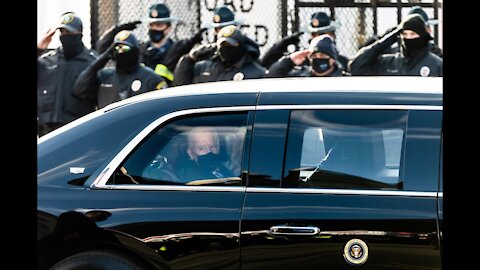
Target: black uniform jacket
pixel 370 61
pixel 189 71
pixel 108 86
pixel 56 102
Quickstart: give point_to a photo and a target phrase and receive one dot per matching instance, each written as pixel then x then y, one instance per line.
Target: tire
pixel 97 260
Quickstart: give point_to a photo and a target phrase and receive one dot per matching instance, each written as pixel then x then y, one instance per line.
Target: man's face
pixel 202 144
pixel 409 34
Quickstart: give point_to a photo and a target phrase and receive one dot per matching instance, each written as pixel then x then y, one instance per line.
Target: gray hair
pixel 198 130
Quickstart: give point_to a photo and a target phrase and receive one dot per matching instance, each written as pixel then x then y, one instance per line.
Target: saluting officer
pixel 320 24
pixel 321 55
pixel 161 53
pixel 236 58
pixel 414 58
pixel 57 71
pixel 126 79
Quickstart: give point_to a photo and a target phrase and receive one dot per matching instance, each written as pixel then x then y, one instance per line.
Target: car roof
pixel 367 84
pixel 358 84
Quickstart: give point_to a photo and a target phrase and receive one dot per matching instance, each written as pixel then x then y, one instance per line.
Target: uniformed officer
pixel 236 58
pixel 414 58
pixel 321 55
pixel 222 16
pixel 160 52
pixel 395 48
pixel 432 46
pixel 320 23
pixel 57 71
pixel 126 79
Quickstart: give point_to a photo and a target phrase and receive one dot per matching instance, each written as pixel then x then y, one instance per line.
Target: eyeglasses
pixel 121 48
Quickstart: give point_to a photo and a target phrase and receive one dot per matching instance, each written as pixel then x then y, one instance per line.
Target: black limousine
pixel 294 173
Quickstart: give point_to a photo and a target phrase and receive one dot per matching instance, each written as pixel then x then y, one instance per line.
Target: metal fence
pixel 266 21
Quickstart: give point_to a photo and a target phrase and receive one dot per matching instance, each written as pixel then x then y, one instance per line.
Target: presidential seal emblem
pixel 136 85
pixel 238 76
pixel 355 252
pixel 424 71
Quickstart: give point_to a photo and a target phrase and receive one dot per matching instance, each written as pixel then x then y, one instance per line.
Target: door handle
pixel 292 230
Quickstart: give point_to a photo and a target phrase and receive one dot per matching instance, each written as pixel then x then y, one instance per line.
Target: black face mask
pixel 320 65
pixel 412 47
pixel 155 35
pixel 209 160
pixel 230 54
pixel 127 62
pixel 71 44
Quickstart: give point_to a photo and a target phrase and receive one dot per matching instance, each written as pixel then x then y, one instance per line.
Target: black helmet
pixel 159 13
pixel 321 23
pixel 418 10
pixel 126 37
pixel 223 16
pixel 71 22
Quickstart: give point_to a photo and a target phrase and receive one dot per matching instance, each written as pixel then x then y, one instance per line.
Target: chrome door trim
pixel 351 107
pixel 343 192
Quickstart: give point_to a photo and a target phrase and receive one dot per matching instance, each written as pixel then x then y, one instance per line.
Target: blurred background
pixel 265 21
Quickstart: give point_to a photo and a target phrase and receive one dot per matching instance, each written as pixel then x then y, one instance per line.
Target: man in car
pixel 321 55
pixel 414 58
pixel 203 151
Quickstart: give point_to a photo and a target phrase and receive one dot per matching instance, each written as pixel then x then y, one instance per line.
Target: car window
pixel 199 150
pixel 352 149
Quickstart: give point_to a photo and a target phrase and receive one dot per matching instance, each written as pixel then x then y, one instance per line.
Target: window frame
pixel 297 146
pixel 102 178
pixel 101 181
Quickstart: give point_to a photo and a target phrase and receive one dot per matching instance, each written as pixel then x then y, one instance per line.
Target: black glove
pixel 292 39
pixel 198 37
pixel 390 30
pixel 107 38
pixel 198 51
pixel 127 26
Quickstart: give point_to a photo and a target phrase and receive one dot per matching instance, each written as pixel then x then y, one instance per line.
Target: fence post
pixel 435 15
pixel 93 23
pixel 399 12
pixel 284 18
pixel 375 19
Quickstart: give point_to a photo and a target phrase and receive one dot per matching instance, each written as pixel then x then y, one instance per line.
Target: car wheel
pixel 98 260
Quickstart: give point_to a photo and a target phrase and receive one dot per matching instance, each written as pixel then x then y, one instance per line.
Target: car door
pixel 190 220
pixel 357 187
